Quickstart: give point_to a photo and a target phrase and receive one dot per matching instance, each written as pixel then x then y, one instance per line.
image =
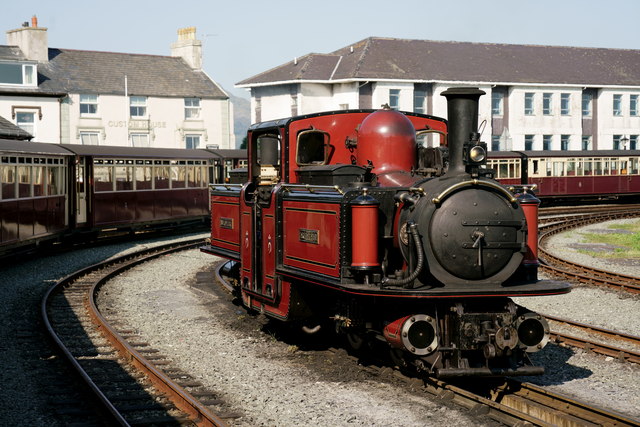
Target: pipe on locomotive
pixel 413 229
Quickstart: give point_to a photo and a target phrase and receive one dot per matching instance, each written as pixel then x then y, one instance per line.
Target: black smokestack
pixel 462 115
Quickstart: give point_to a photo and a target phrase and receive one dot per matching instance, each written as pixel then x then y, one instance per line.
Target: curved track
pixel 568 270
pixel 129 388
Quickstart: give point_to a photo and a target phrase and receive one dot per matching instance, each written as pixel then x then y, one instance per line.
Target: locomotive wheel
pixel 355 341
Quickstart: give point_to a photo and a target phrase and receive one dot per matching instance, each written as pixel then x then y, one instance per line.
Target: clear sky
pixel 242 38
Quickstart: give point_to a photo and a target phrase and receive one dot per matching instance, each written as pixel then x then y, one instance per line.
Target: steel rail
pixel 197 412
pixel 512 402
pixel 552 264
pixel 594 345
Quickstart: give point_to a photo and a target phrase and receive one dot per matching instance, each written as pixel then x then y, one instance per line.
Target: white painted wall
pixel 316 97
pixel 47 129
pixel 610 125
pixel 165 122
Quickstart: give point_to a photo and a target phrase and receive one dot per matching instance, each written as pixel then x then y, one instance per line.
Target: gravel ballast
pixel 264 379
pixel 253 372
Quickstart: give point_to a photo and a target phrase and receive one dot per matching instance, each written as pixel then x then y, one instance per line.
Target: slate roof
pixel 378 58
pixel 91 72
pixel 10 131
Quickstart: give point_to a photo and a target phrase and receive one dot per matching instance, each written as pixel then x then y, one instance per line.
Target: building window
pixel 528 142
pixel 547 99
pixel 88 105
pixel 192 141
pixel 497 100
pixel 617 142
pixel 89 138
pixel 495 143
pixel 26 121
pixel 617 105
pixel 546 142
pixel 564 142
pixel 139 139
pixel 419 100
pixel 191 108
pixel 587 100
pixel 18 74
pixel 394 98
pixel 138 106
pixel 634 110
pixel 565 104
pixel 528 104
pixel 633 142
pixel 586 142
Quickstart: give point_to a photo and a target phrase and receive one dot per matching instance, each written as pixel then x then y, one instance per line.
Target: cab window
pixel 312 147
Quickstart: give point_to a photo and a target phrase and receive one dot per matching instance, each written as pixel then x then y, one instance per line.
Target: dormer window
pixel 15 74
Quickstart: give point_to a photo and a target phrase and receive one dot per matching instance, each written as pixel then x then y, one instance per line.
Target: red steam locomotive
pixel 345 220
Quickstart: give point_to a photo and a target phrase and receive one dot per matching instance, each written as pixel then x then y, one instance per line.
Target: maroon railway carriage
pixel 138 187
pixel 34 192
pixel 565 175
pixel 53 192
pixel 345 220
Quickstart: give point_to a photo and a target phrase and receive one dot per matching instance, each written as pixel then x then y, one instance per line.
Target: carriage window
pixel 624 167
pixel 8 177
pixel 103 178
pixel 558 168
pixel 55 180
pixel 614 167
pixel 597 167
pixel 588 167
pixel 535 167
pixel 503 170
pixel 38 181
pixel 24 181
pixel 124 178
pixel 161 177
pixel 143 177
pixel 571 167
pixel 195 176
pixel 634 165
pixel 178 176
pixel 312 147
pixel 191 177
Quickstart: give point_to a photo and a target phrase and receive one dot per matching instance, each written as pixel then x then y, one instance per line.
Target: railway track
pixel 595 339
pixel 119 369
pixel 558 267
pixel 507 401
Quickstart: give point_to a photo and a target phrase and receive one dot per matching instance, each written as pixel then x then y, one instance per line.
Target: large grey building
pixel 538 97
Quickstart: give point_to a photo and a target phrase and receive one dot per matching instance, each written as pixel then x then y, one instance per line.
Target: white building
pixel 538 97
pixel 86 97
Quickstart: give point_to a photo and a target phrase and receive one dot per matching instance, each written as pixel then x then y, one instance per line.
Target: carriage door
pixel 81 192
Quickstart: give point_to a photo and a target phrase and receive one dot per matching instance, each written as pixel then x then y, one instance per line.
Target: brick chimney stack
pixel 188 48
pixel 32 41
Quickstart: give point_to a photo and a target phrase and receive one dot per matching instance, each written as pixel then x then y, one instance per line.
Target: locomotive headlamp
pixel 477 154
pixel 533 331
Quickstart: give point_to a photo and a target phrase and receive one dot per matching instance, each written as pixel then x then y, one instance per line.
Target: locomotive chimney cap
pixel 462 91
